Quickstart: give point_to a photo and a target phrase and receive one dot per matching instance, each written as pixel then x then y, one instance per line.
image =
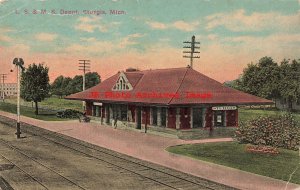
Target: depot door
pixel 185 118
pixel 219 118
pixel 172 118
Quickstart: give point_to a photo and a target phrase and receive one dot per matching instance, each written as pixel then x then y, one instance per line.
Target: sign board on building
pixel 221 108
pixel 97 104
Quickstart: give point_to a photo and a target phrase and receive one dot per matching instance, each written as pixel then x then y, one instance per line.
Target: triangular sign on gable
pixel 122 84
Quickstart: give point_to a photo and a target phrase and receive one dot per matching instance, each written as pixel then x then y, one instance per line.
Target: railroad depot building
pixel 166 99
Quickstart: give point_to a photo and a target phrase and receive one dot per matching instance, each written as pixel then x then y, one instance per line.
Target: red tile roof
pixel 182 81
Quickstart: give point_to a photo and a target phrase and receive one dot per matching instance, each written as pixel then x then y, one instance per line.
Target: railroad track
pixel 38 163
pixel 167 178
pixel 26 173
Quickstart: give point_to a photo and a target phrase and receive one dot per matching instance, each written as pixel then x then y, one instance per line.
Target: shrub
pixel 68 113
pixel 281 131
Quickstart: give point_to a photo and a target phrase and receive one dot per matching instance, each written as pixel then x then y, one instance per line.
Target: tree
pixel 270 80
pixel 249 80
pixel 35 84
pixel 91 79
pixel 56 87
pixel 290 81
pixel 262 79
pixel 59 86
pixel 65 84
pixel 236 84
pixel 75 85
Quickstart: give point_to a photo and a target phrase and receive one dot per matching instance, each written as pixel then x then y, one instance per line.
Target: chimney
pixel 130 69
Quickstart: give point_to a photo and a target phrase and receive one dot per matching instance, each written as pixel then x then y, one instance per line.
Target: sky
pixel 147 34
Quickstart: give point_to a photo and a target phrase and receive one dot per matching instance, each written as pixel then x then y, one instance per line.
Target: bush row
pixel 280 131
pixel 69 113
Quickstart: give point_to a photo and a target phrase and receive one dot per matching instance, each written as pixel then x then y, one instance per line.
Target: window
pixel 122 84
pixel 96 111
pixel 154 116
pixel 171 112
pixel 163 117
pixel 123 112
pixel 197 117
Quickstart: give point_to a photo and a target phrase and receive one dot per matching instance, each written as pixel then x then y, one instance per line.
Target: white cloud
pixel 47 37
pixel 90 27
pixel 5 30
pixel 180 25
pixel 277 39
pixel 130 40
pixel 136 35
pixel 90 24
pixel 88 19
pixel 164 39
pixel 5 38
pixel 157 25
pixel 96 47
pixel 2 1
pixel 240 21
pixel 212 36
pixel 277 45
pixel 88 39
pixel 185 26
pixel 20 50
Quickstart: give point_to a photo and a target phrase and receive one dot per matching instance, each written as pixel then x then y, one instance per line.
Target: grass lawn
pixel 233 154
pixel 248 114
pixel 29 112
pixel 52 103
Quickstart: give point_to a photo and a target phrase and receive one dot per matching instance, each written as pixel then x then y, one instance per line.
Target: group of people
pixel 116 124
pixel 85 118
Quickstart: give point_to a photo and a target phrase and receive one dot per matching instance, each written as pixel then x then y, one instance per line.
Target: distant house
pixel 176 98
pixel 9 89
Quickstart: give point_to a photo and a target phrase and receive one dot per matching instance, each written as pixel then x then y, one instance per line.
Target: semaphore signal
pixel 19 63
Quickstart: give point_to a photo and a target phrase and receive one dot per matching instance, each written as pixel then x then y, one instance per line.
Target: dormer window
pixel 122 84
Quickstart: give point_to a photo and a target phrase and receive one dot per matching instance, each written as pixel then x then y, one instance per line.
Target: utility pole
pixel 191 53
pixel 18 62
pixel 84 65
pixel 3 77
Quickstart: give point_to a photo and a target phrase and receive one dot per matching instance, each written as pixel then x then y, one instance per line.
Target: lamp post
pixel 18 62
